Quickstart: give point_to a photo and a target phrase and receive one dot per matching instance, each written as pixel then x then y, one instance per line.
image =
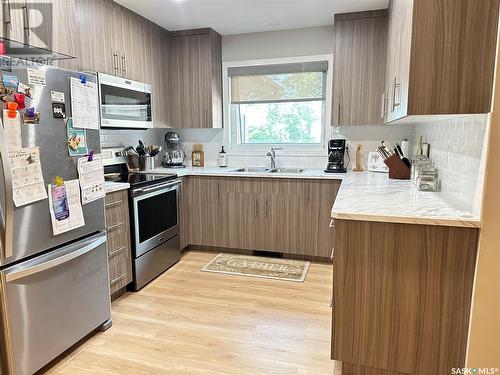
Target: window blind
pixel 278 83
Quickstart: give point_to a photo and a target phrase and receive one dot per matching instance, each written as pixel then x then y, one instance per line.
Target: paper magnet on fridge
pixel 31 117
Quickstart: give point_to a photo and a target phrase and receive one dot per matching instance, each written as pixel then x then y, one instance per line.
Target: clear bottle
pixel 222 158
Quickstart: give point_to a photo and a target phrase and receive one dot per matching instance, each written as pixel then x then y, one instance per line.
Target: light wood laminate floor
pixel 192 322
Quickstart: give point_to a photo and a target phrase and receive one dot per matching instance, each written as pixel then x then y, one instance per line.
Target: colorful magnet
pixel 11 109
pixel 24 89
pixel 19 98
pixel 31 117
pixel 10 81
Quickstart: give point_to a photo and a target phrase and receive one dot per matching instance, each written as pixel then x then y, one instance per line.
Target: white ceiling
pixel 246 16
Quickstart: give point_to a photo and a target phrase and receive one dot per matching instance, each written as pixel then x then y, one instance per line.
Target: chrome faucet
pixel 272 154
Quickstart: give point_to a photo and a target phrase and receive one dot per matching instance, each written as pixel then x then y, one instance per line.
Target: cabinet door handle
pixel 113 204
pixel 396 87
pixel 384 106
pixel 114 252
pixel 338 115
pixel 111 227
pixel 26 18
pixel 115 62
pixel 332 223
pixel 115 280
pixel 124 65
pixel 6 9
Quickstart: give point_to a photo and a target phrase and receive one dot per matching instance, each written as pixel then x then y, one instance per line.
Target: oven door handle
pixel 156 187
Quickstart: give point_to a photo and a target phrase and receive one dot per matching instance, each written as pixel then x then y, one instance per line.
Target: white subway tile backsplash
pixel 458 149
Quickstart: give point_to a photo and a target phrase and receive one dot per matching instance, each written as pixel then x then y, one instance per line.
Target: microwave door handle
pixel 7 234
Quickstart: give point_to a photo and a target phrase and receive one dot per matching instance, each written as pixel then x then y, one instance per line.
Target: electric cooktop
pixel 139 179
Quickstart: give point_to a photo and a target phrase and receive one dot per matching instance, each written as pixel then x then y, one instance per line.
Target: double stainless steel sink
pixel 270 170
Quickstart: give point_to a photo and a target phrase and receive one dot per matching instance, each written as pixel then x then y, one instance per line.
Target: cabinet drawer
pixel 118 237
pixel 116 209
pixel 119 275
pixel 115 197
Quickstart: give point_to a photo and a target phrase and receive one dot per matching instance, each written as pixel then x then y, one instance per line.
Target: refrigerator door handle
pixel 9 277
pixel 8 209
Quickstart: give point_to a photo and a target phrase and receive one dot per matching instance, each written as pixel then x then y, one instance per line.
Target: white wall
pixel 294 43
pixel 274 44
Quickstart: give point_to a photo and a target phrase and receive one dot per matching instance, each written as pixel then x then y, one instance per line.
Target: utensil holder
pixel 397 169
pixel 133 162
pixel 146 163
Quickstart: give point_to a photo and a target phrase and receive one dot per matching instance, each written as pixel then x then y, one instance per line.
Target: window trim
pixel 230 138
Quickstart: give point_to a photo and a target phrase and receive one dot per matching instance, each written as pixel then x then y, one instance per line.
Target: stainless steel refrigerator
pixel 54 290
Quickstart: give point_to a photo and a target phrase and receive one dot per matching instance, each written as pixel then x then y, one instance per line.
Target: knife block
pixel 397 169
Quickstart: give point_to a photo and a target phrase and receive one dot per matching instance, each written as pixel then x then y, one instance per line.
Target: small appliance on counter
pixel 376 163
pixel 174 154
pixel 336 155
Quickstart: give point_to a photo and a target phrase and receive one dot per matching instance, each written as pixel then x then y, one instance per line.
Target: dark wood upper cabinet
pixel 440 57
pixel 195 79
pixel 359 68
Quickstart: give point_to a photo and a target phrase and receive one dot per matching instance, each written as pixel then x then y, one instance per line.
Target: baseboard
pixel 216 249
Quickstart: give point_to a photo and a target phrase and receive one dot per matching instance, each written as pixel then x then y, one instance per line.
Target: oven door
pixel 155 212
pixel 124 103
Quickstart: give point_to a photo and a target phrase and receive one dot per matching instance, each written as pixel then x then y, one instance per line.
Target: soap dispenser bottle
pixel 222 158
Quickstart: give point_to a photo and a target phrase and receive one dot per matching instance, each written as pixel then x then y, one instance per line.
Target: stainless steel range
pixel 154 217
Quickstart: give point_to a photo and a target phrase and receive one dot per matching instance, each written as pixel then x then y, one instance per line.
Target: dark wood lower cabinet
pixel 289 216
pixel 401 297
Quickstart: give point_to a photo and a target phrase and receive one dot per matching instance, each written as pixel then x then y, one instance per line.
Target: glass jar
pixel 427 179
pixel 417 163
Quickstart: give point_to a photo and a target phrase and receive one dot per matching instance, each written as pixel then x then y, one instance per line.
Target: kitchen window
pixel 285 104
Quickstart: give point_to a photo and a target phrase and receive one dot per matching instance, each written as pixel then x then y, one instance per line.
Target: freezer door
pixel 31 229
pixel 53 301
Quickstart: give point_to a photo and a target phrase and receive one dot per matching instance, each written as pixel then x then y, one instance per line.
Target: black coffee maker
pixel 336 154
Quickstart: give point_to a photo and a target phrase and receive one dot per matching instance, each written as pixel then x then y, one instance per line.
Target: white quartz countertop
pixel 231 172
pixel 374 197
pixel 111 187
pixel 367 196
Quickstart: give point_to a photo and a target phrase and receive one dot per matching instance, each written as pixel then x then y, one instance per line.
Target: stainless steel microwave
pixel 124 103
